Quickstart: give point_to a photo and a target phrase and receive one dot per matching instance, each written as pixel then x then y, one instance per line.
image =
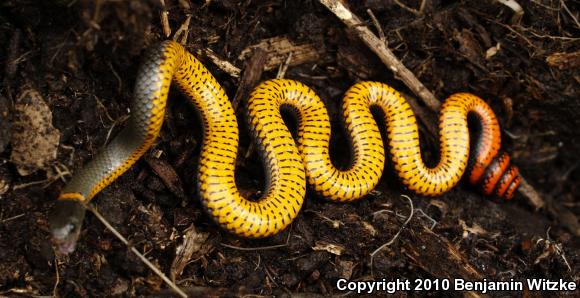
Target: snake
pixel 291 163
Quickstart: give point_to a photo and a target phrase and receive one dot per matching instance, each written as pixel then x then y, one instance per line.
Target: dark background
pixel 82 58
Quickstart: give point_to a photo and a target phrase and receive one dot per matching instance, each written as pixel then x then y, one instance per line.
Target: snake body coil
pixel 289 166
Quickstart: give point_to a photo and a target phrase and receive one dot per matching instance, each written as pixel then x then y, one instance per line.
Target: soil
pixel 82 58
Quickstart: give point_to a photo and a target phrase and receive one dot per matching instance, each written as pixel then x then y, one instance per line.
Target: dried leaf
pixel 192 247
pixel 34 139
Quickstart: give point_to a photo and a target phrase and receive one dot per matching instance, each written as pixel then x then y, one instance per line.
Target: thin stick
pixel 377 25
pixel 183 31
pixel 25 185
pixel 407 8
pixel 55 287
pixel 12 218
pixel 431 219
pixel 135 251
pixel 222 64
pixel 379 47
pixel 165 20
pixel 400 229
pixel 570 13
pixel 405 75
pixel 284 67
pixel 528 191
pixel 396 235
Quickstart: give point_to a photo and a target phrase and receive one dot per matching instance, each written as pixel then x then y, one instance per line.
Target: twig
pixel 553 37
pixel 119 80
pixel 48 181
pixel 183 31
pixel 102 106
pixel 12 218
pixel 558 247
pixel 379 47
pixel 121 120
pixel 270 275
pixel 28 184
pixel 396 235
pixel 422 6
pixel 60 173
pixel 431 219
pixel 516 32
pixel 388 58
pixel 531 194
pixel 537 2
pixel 224 65
pixel 55 287
pixel 570 13
pixel 405 75
pixel 135 251
pixel 560 251
pixel 407 8
pixel 284 67
pixel 400 229
pixel 377 25
pixel 165 19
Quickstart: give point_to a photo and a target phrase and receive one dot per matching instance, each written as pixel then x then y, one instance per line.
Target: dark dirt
pixel 82 56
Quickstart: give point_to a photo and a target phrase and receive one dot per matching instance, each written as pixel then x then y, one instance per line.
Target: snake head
pixel 66 220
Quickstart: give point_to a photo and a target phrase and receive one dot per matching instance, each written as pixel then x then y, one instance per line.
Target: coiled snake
pixel 288 164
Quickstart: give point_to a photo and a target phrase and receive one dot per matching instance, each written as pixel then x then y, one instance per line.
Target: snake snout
pixel 65 238
pixel 65 224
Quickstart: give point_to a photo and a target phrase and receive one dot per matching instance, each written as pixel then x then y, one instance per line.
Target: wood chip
pixel 278 48
pixel 372 231
pixel 5 180
pixel 334 249
pixel 475 229
pixel 492 51
pixel 34 138
pixel 564 60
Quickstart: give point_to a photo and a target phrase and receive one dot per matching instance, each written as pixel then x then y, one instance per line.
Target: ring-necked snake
pixel 289 164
